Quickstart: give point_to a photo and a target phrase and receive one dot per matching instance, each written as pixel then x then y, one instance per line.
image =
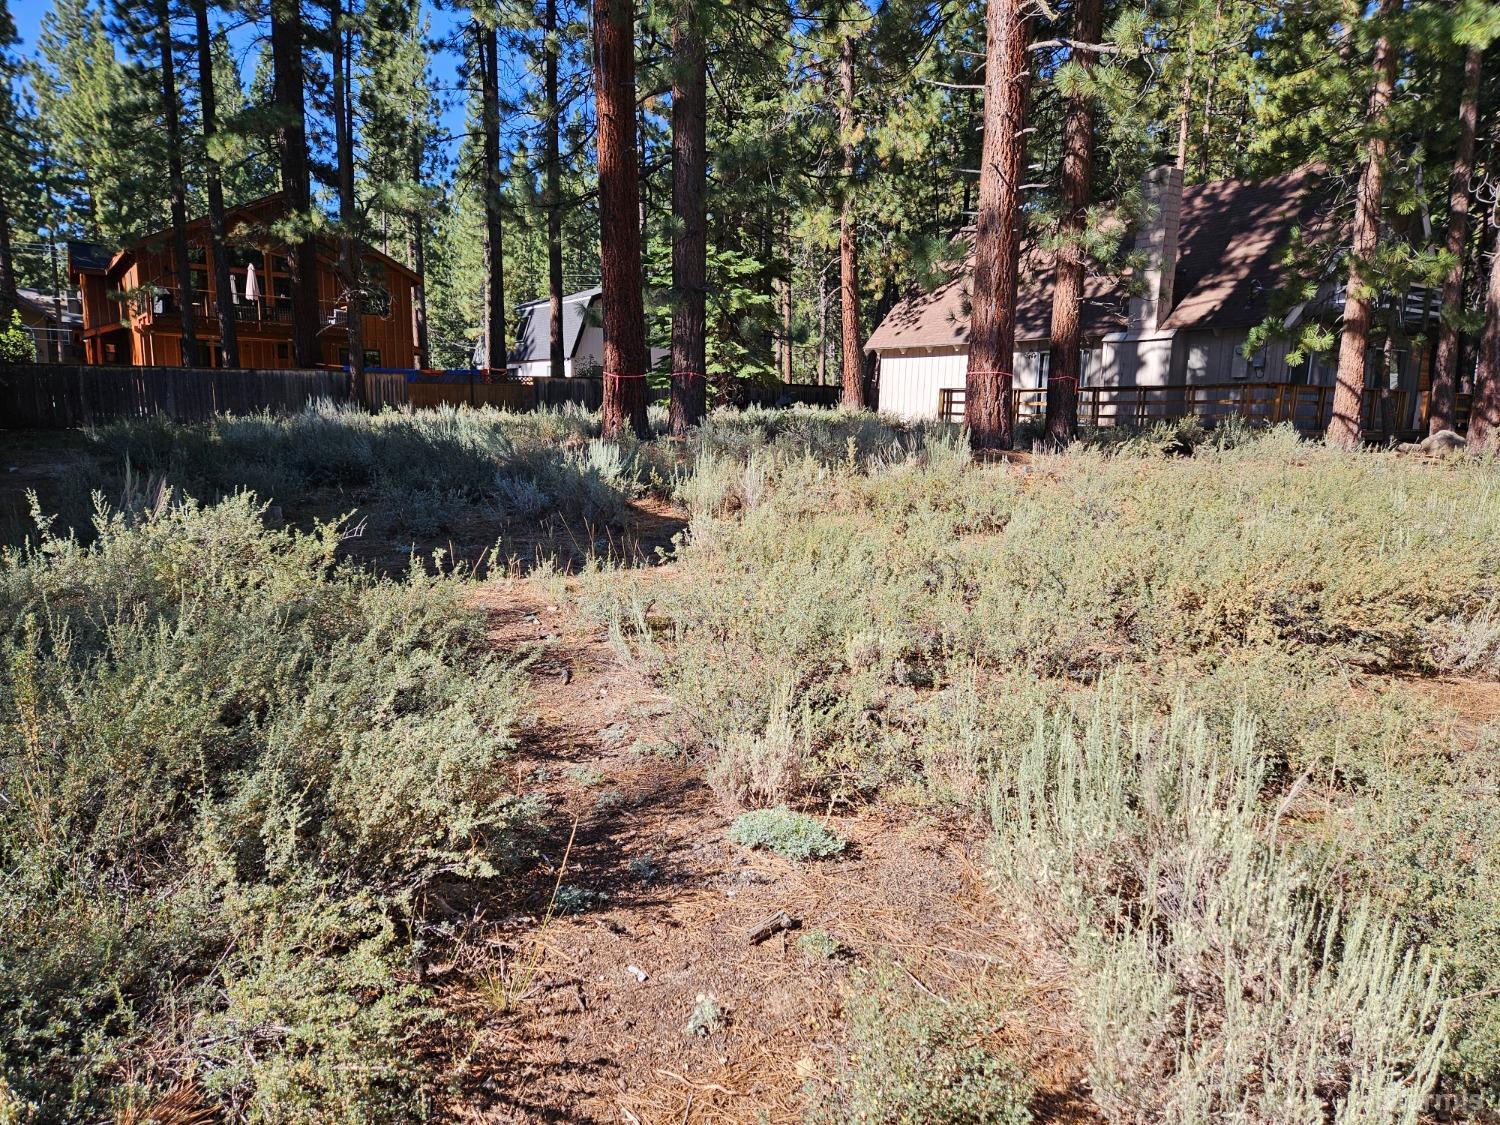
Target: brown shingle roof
pixel 1229 246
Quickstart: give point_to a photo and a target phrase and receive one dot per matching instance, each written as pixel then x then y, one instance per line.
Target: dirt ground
pixel 583 1017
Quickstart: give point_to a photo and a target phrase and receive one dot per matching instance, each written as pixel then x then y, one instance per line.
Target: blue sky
pixel 445 26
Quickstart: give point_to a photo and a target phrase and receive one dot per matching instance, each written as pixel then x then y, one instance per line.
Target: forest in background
pixel 838 144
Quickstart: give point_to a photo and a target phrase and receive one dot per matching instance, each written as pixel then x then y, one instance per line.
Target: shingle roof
pixel 1229 245
pixel 534 326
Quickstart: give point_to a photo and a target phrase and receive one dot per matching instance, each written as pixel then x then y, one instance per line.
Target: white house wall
pixel 910 383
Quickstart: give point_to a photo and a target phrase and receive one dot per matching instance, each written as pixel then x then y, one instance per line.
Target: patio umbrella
pixel 234 290
pixel 252 290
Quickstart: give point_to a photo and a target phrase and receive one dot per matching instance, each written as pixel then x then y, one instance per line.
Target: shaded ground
pixel 63 467
pixel 566 1028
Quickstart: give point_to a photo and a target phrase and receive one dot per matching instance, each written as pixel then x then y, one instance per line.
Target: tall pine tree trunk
pixel 690 211
pixel 1484 414
pixel 1445 363
pixel 853 344
pixel 1346 427
pixel 10 299
pixel 1064 368
pixel 494 233
pixel 349 256
pixel 177 185
pixel 418 227
pixel 296 179
pixel 992 327
pixel 619 220
pixel 1185 109
pixel 229 342
pixel 552 195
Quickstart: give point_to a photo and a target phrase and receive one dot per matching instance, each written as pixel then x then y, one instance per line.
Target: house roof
pixel 50 306
pixel 534 326
pixel 93 258
pixel 1229 245
pixel 87 257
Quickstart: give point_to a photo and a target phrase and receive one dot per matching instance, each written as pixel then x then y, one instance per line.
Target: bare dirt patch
pixel 585 1017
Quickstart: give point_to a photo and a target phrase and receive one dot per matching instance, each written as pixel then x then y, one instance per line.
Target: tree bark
pixel 619 220
pixel 1346 425
pixel 1064 367
pixel 177 185
pixel 1484 414
pixel 229 343
pixel 10 299
pixel 552 198
pixel 1445 363
pixel 853 344
pixel 418 222
pixel 494 233
pixel 349 257
pixel 690 210
pixel 296 180
pixel 1185 109
pixel 786 330
pixel 992 328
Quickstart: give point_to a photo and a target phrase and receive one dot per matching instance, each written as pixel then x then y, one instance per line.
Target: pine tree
pixel 619 218
pixel 1346 425
pixel 487 51
pixel 992 323
pixel 296 177
pixel 852 336
pixel 351 279
pixel 1066 336
pixel 1445 362
pixel 106 151
pixel 229 345
pixel 12 166
pixel 1484 411
pixel 690 211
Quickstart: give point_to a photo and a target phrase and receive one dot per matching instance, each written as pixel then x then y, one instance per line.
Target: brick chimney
pixel 1157 242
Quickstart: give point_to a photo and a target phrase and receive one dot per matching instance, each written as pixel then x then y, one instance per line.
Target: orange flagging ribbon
pixel 617 375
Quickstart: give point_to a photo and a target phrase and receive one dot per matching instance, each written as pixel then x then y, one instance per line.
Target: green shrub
pixel 910 1059
pixel 790 834
pixel 234 771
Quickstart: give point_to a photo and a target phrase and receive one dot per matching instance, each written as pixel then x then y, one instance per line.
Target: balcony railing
pixel 1260 404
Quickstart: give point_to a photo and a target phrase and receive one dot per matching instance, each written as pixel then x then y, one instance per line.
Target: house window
pixel 951 404
pixel 1043 367
pixel 283 353
pixel 377 301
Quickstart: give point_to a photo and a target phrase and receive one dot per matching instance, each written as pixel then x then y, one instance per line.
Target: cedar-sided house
pixel 1213 261
pixel 131 316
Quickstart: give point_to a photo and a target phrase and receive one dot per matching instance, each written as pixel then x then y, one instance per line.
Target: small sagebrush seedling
pixel 819 943
pixel 790 834
pixel 707 1017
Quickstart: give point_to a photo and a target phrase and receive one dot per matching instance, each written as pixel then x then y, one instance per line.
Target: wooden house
pixel 131 314
pixel 1211 262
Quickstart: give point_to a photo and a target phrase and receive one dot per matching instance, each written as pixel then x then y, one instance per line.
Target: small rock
pixel 639 974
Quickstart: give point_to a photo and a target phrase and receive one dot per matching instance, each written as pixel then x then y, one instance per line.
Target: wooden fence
pixel 61 396
pixel 1386 414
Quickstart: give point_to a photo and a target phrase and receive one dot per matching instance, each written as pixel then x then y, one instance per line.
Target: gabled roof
pixel 534 326
pixel 1228 265
pixel 88 259
pixel 50 305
